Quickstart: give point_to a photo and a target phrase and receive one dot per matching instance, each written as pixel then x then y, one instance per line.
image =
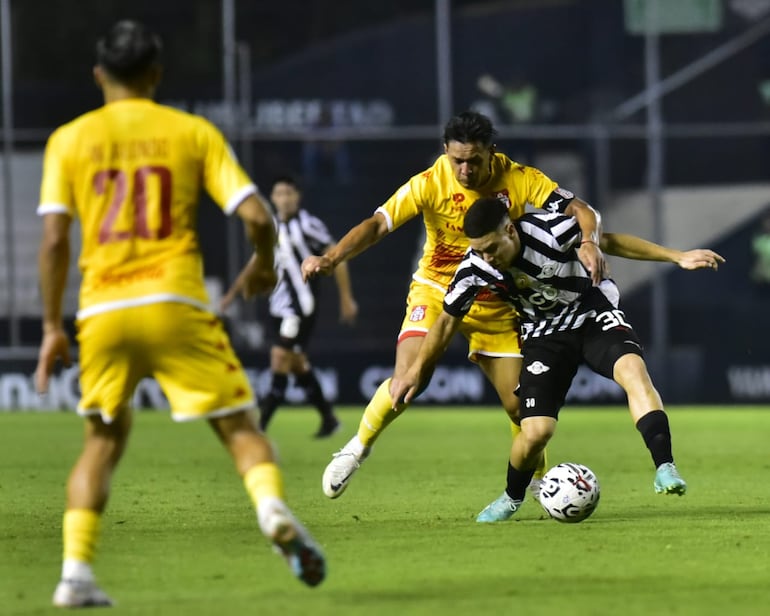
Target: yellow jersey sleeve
pixel 519 185
pixel 538 187
pixel 406 203
pixel 223 177
pixel 56 190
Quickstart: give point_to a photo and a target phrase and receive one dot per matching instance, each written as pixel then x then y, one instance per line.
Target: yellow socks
pixel 377 416
pixel 80 530
pixel 264 484
pixel 264 480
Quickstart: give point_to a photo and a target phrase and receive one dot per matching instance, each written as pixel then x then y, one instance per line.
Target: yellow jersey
pixel 132 172
pixel 443 201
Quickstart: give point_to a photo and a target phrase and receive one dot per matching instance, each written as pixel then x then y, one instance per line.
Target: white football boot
pixel 292 541
pixel 80 593
pixel 340 470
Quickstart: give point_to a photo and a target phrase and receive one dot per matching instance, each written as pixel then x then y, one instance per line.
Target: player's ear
pixel 156 75
pixel 98 73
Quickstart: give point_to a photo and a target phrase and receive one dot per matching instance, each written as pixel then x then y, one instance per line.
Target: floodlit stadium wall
pixel 355 131
pixel 691 375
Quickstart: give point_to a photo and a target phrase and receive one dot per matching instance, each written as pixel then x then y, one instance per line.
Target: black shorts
pixel 291 332
pixel 551 362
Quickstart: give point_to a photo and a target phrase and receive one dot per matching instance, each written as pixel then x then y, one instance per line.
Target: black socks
pixel 657 436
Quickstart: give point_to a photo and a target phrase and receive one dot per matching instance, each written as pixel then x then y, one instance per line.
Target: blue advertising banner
pixel 351 379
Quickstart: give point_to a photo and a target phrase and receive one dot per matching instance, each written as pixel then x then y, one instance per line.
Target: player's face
pixel 286 199
pixel 470 162
pixel 498 248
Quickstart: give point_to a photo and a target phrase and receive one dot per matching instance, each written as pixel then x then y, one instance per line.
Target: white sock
pixel 355 446
pixel 76 570
pixel 268 506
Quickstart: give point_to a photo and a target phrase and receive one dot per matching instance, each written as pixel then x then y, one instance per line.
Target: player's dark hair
pixel 128 50
pixel 484 216
pixel 470 127
pixel 286 179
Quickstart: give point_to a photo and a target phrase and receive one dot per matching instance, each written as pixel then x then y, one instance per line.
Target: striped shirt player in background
pixel 132 172
pixel 294 302
pixel 532 264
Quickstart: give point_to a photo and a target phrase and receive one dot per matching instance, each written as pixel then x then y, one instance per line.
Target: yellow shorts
pixel 186 349
pixel 491 327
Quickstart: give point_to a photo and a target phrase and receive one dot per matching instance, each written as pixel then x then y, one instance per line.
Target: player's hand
pixel 700 258
pixel 55 346
pixel 314 265
pixel 255 278
pixel 592 258
pixel 258 280
pixel 348 311
pixel 404 389
pixel 229 297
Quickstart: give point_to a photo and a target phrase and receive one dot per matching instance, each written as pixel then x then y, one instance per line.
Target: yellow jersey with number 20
pixel 132 172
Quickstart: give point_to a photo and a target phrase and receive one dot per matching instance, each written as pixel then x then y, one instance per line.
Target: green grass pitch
pixel 179 536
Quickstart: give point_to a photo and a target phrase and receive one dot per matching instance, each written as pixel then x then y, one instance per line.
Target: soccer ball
pixel 569 492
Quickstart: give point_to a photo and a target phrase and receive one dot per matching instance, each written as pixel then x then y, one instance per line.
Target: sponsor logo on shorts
pixel 538 367
pixel 418 313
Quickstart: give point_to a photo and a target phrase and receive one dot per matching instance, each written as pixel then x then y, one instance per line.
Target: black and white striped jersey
pixel 547 284
pixel 299 237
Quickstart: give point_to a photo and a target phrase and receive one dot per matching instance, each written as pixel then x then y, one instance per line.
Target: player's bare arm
pixel 259 274
pixel 239 285
pixel 354 242
pixel 633 247
pixel 53 263
pixel 590 253
pixel 348 304
pixel 404 389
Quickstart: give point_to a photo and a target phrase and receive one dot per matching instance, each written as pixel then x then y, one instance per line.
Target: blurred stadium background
pixel 654 111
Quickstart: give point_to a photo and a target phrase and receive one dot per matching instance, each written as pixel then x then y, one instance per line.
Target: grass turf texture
pixel 179 536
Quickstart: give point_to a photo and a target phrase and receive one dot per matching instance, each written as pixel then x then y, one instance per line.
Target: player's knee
pixel 539 440
pixel 108 438
pixel 104 452
pixel 510 402
pixel 537 432
pixel 280 359
pixel 513 413
pixel 229 426
pixel 629 368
